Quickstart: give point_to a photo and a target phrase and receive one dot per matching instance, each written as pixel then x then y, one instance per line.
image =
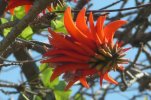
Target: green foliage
pixel 58 24
pixel 26 33
pixel 79 97
pixel 62 95
pixel 45 76
pixel 19 12
pixel 57 86
pixel 6 30
pixel 146 98
pixel 36 97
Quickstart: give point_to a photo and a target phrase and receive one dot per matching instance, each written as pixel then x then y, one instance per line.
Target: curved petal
pixel 108 78
pixel 15 3
pixel 126 49
pixel 101 78
pixel 93 30
pixel 99 28
pixel 65 68
pixel 81 23
pixel 70 84
pixel 89 51
pixel 12 11
pixel 121 68
pixel 67 53
pixel 110 29
pixel 50 8
pixel 74 31
pixel 27 8
pixel 91 22
pixel 59 41
pixel 84 82
pixel 62 59
pixel 89 72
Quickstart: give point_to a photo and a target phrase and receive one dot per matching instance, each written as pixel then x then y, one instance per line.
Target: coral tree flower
pixel 26 3
pixel 85 51
pixel 15 3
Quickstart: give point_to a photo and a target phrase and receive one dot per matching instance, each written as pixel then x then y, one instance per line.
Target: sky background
pixel 13 73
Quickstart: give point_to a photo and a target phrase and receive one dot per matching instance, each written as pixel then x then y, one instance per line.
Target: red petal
pixel 121 68
pixel 99 28
pixel 27 8
pixel 67 53
pixel 91 22
pixel 12 11
pixel 74 31
pixel 89 51
pixel 108 78
pixel 70 84
pixel 65 68
pixel 15 3
pixel 50 8
pixel 120 43
pixel 92 27
pixel 98 40
pixel 126 49
pixel 84 82
pixel 81 23
pixel 89 72
pixel 62 59
pixel 59 41
pixel 101 78
pixel 110 29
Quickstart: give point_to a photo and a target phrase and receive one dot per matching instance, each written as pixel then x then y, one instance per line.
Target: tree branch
pixel 38 6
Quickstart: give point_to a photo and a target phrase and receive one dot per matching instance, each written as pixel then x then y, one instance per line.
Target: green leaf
pixel 27 33
pixel 6 30
pixel 60 86
pixel 45 76
pixel 56 85
pixel 146 98
pixel 19 12
pixel 79 97
pixel 58 26
pixel 62 95
pixel 37 97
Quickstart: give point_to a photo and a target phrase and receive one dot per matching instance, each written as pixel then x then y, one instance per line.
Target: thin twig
pixel 114 10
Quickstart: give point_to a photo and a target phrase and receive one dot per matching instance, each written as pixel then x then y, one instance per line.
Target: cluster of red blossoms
pixel 85 51
pixel 26 3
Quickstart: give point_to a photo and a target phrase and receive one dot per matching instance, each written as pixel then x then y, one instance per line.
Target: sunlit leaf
pixel 27 33
pixel 37 97
pixel 79 97
pixel 45 76
pixel 6 30
pixel 56 85
pixel 62 95
pixel 19 12
pixel 58 26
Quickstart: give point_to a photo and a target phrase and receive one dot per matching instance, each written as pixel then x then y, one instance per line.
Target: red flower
pixel 26 3
pixel 85 51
